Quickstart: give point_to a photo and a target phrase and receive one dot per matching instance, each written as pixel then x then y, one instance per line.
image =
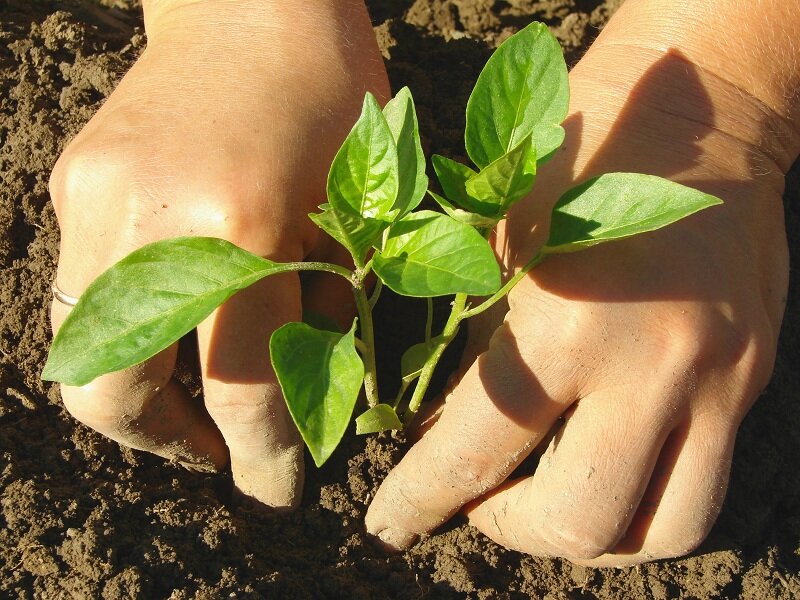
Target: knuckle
pixel 81 173
pixel 577 540
pixel 112 404
pixel 685 544
pixel 470 472
pixel 254 415
pixel 757 360
pixel 555 321
pixel 101 409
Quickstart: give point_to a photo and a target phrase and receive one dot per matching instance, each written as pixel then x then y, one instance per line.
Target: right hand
pixel 225 127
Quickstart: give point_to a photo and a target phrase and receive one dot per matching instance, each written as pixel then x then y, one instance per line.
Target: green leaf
pixel 363 179
pixel 350 229
pixel 380 417
pixel 415 357
pixel 462 216
pixel 453 177
pixel 430 254
pixel 146 302
pixel 319 320
pixel 402 120
pixel 618 205
pixel 507 179
pixel 522 90
pixel 321 375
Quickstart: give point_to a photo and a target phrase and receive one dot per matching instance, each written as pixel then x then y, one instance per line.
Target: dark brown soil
pixel 82 518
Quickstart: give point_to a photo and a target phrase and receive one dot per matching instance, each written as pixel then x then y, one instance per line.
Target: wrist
pixel 743 60
pixel 252 20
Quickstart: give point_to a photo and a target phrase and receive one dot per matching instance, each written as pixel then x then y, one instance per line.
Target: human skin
pixel 666 339
pixel 640 358
pixel 224 127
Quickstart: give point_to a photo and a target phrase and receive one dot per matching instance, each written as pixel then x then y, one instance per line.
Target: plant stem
pixel 503 290
pixel 400 393
pixel 321 266
pixel 429 321
pixel 449 332
pixel 368 339
pixel 376 293
pixel 458 314
pixel 360 346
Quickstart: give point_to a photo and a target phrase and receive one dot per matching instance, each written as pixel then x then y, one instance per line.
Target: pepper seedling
pixel 375 185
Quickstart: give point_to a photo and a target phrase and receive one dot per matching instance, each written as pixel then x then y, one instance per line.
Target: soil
pixel 81 517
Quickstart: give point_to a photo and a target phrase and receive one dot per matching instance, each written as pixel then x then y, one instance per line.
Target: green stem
pixel 429 321
pixel 503 290
pixel 376 293
pixel 321 266
pixel 450 331
pixel 360 346
pixel 400 393
pixel 368 339
pixel 459 313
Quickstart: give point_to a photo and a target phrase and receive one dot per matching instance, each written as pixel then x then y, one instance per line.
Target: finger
pixel 497 413
pixel 328 294
pixel 242 393
pixel 684 497
pixel 145 408
pixel 589 482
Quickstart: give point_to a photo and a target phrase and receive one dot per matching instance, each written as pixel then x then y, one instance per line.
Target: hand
pixel 225 127
pixel 640 358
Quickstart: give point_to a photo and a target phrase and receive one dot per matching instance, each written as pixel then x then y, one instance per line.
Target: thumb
pixel 493 418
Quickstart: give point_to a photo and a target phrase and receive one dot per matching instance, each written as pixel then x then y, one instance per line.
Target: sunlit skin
pixel 642 356
pixel 230 138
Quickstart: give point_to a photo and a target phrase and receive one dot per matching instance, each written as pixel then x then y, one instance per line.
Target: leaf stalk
pixel 368 345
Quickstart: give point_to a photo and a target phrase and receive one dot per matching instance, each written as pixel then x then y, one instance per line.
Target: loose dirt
pixel 81 517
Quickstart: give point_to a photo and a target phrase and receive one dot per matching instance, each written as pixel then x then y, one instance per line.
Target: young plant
pixel 376 183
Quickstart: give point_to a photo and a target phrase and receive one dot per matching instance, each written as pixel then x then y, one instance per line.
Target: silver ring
pixel 65 299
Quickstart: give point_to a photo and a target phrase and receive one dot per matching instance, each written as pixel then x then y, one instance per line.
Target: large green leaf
pixel 364 174
pixel 507 179
pixel 350 229
pixel 147 301
pixel 402 120
pixel 618 205
pixel 430 254
pixel 522 90
pixel 320 374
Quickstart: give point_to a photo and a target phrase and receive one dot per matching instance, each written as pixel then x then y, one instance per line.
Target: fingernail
pixel 397 539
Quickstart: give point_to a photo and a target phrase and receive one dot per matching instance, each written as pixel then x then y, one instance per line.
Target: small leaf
pixel 523 90
pixel 380 417
pixel 430 254
pixel 321 375
pixel 356 233
pixel 618 205
pixel 414 359
pixel 363 179
pixel 148 301
pixel 402 120
pixel 453 177
pixel 505 180
pixel 463 216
